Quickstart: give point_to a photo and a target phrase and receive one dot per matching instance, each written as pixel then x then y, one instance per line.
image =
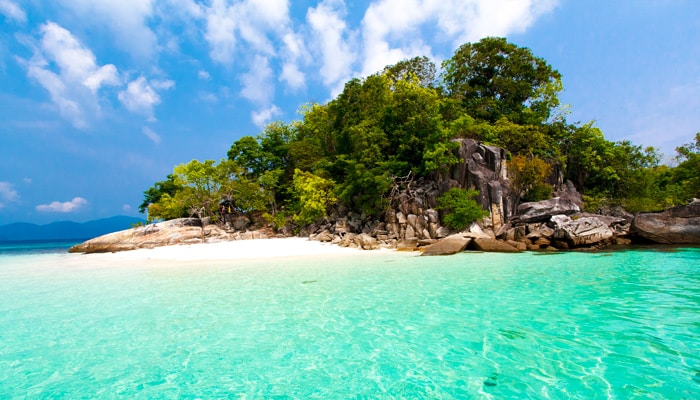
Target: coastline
pixel 248 249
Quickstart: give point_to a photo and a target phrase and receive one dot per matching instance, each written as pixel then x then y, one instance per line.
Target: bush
pixel 459 208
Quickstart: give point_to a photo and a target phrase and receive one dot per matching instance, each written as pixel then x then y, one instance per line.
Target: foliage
pixel 402 121
pixel 314 194
pixel 459 207
pixel 495 79
pixel 528 178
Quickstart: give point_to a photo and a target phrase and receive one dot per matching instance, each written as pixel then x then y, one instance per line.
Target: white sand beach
pixel 236 250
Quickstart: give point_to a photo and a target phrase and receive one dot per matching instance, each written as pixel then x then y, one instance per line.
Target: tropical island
pixel 479 155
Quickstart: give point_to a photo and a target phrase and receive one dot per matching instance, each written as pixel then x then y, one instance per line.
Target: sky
pixel 101 99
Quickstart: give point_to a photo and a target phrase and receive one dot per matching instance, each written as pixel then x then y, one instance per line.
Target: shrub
pixel 459 208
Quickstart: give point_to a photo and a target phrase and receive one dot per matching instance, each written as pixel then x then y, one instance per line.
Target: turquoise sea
pixel 616 325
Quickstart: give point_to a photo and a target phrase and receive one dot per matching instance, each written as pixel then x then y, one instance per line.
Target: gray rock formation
pixel 540 211
pixel 586 231
pixel 484 169
pixel 677 225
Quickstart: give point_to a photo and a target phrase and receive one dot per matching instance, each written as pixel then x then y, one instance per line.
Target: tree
pixel 420 69
pixel 153 194
pixel 528 179
pixel 314 194
pixel 460 209
pixel 494 79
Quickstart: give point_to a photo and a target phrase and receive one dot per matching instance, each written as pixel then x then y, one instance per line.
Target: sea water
pixel 616 325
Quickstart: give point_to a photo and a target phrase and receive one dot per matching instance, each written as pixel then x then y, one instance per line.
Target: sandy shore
pixel 237 250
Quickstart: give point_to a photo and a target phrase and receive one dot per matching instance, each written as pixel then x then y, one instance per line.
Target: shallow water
pixel 474 325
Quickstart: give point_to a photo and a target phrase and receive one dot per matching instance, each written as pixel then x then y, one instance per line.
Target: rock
pixel 544 210
pixel 177 231
pixel 585 231
pixel 240 223
pixel 407 245
pixel 324 236
pixel 367 242
pixel 518 245
pixel 493 245
pixel 677 225
pixel 447 246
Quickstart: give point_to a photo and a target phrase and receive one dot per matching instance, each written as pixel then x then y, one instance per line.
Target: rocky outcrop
pixel 485 170
pixel 177 231
pixel 544 210
pixel 677 225
pixel 582 232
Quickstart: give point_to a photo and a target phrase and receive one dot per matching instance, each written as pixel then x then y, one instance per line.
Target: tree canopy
pixel 401 122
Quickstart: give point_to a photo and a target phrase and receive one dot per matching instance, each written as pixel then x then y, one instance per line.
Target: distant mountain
pixel 66 229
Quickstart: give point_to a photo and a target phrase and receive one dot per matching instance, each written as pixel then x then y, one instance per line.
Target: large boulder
pixel 447 246
pixel 583 232
pixel 678 225
pixel 493 245
pixel 540 211
pixel 177 231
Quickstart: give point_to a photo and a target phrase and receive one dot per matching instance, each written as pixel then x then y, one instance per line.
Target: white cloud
pixel 28 181
pixel 70 73
pixel 7 194
pixel 126 19
pixel 391 28
pixel 155 138
pixel 332 40
pixel 203 75
pixel 258 86
pixel 262 117
pixel 12 11
pixel 140 96
pixel 126 208
pixel 253 21
pixel 293 76
pixel 65 207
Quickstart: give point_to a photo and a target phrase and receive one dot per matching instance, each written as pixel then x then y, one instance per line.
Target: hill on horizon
pixel 61 230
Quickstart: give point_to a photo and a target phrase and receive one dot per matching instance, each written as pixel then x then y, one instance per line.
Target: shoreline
pixel 248 249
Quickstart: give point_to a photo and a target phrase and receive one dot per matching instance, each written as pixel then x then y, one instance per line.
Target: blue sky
pixel 100 99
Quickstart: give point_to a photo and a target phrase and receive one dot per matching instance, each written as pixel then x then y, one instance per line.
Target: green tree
pixel 459 208
pixel 528 179
pixel 494 79
pixel 420 69
pixel 153 194
pixel 314 194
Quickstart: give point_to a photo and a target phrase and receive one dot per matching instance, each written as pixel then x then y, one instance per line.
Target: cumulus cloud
pixel 127 20
pixel 153 136
pixel 70 73
pixel 8 194
pixel 390 27
pixel 63 207
pixel 9 9
pixel 332 39
pixel 258 86
pixel 262 117
pixel 253 21
pixel 140 95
